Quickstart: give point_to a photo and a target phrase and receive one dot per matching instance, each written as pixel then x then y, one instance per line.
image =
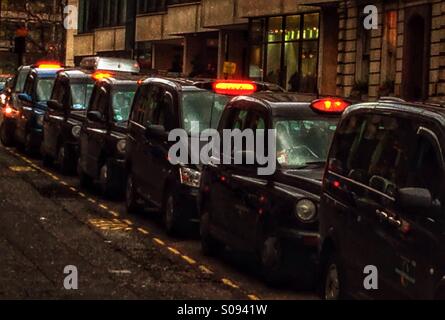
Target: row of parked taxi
pixel 356 188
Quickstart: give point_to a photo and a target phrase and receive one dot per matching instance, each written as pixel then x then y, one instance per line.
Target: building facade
pixel 312 46
pixel 41 20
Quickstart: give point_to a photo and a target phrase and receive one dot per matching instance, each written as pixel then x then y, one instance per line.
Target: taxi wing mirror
pixel 55 105
pixel 25 97
pixel 415 198
pixel 155 130
pixel 95 116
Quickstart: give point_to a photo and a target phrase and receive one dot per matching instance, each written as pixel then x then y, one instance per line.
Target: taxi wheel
pixel 331 279
pixel 85 180
pixel 171 216
pixel 6 136
pixel 65 160
pixel 107 180
pixel 271 260
pixel 209 245
pixel 29 149
pixel 47 160
pixel 131 198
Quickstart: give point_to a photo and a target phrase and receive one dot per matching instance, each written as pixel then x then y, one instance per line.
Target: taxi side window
pixel 163 109
pixel 144 105
pixel 29 84
pixel 374 150
pixel 426 170
pixel 59 92
pixel 98 101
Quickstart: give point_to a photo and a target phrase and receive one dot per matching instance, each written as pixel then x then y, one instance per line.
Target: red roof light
pixel 234 87
pixel 331 105
pixel 99 75
pixel 49 65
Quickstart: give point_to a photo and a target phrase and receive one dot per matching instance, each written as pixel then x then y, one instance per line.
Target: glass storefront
pixel 284 50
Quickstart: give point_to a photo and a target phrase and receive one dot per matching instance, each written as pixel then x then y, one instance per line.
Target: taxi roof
pixel 283 104
pixel 431 110
pixel 121 79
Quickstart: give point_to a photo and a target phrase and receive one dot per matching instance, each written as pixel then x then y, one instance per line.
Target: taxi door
pixel 248 188
pixel 26 110
pixel 54 118
pixel 417 231
pixel 94 131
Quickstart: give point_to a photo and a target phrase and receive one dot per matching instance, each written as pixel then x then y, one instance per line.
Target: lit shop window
pixel 284 50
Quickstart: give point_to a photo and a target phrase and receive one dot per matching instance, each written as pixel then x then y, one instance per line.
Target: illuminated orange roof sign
pixel 234 87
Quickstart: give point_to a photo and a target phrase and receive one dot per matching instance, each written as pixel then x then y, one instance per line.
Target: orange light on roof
pixel 234 87
pixel 9 112
pixel 334 105
pixel 99 75
pixel 49 65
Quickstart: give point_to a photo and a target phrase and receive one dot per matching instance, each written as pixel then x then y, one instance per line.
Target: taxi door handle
pixel 391 219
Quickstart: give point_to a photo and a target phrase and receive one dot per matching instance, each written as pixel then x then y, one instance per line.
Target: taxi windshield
pixel 122 101
pixel 303 142
pixel 44 89
pixel 202 108
pixel 81 93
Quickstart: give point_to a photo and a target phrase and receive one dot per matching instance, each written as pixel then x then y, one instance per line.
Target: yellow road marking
pixel 229 283
pixel 188 259
pixel 114 213
pixel 142 230
pixel 83 195
pixel 73 189
pixel 103 206
pixel 21 169
pixel 159 241
pixel 253 297
pixel 173 250
pixel 127 222
pixel 92 200
pixel 205 269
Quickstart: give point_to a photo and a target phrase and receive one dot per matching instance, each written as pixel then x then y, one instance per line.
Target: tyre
pixel 132 200
pixel 6 136
pixel 332 280
pixel 47 160
pixel 29 148
pixel 108 180
pixel 209 245
pixel 85 180
pixel 173 221
pixel 270 256
pixel 66 160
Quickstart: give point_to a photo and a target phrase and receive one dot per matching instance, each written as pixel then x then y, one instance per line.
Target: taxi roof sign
pixel 110 64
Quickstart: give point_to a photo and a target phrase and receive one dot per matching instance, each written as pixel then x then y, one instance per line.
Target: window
pixel 59 92
pixel 98 101
pixel 303 142
pixel 284 50
pixel 204 108
pixel 389 48
pixel 105 13
pixel 146 102
pixel 21 78
pixel 44 89
pixel 81 93
pixel 374 150
pixel 122 99
pixel 363 52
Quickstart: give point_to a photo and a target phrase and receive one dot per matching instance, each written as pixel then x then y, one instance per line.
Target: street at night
pixel 222 156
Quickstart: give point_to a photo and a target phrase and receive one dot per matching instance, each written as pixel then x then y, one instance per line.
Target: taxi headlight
pixel 121 146
pixel 190 177
pixel 76 131
pixel 306 210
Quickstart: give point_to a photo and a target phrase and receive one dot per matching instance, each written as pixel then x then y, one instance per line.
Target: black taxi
pixel 382 214
pixel 68 107
pixel 161 106
pixel 33 105
pixel 10 104
pixel 103 134
pixel 64 117
pixel 273 215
